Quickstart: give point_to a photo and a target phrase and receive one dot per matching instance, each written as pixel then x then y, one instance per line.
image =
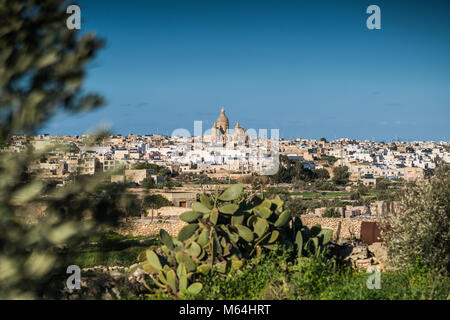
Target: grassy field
pixel 276 276
pixel 111 251
pixel 94 257
pixel 270 277
pixel 314 195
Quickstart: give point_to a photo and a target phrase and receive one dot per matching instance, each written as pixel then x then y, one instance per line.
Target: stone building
pixel 180 199
pixel 220 131
pixel 222 124
pixel 412 174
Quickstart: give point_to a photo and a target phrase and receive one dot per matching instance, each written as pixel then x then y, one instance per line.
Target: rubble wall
pixel 146 228
pixel 350 227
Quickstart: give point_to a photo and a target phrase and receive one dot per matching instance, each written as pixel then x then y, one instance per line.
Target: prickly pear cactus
pixel 224 230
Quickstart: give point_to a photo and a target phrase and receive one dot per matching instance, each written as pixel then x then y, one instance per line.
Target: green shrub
pixel 272 192
pixel 155 201
pixel 297 206
pixel 331 213
pixel 253 281
pixel 341 175
pixel 321 174
pixel 326 186
pixel 222 233
pixel 410 283
pixel 105 257
pixel 42 69
pixel 420 230
pixel 274 276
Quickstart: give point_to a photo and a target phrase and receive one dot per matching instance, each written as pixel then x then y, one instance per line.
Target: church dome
pixel 222 121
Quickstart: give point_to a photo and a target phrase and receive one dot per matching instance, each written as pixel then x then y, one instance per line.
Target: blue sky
pixel 309 68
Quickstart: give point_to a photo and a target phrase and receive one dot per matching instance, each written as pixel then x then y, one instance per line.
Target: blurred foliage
pixel 42 66
pixel 113 249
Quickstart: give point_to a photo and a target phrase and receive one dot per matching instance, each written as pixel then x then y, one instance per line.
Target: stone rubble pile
pixel 108 283
pixel 360 255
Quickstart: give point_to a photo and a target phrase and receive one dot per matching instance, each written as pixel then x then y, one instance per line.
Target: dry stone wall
pixel 346 228
pixel 168 218
pixel 148 227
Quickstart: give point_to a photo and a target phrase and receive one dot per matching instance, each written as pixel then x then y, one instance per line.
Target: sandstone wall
pixel 164 218
pixel 349 227
pixel 168 211
pixel 147 227
pixel 167 218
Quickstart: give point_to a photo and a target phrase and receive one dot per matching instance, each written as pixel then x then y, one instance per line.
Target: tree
pixel 258 182
pixel 131 205
pixel 141 165
pixel 361 189
pixel 155 201
pixel 382 183
pixel 330 159
pixel 164 172
pixel 321 174
pixel 291 170
pixel 148 183
pixel 331 213
pixel 272 192
pixel 428 173
pixel 42 66
pixel 169 184
pixel 296 206
pixel 341 176
pixel 325 185
pixel 355 195
pixel 420 231
pixel 284 173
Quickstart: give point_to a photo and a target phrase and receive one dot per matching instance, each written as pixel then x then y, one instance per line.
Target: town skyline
pixel 206 125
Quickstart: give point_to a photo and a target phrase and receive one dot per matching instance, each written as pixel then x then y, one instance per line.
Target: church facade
pixel 221 133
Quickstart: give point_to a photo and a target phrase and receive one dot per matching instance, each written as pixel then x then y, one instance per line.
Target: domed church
pixel 220 130
pixel 222 124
